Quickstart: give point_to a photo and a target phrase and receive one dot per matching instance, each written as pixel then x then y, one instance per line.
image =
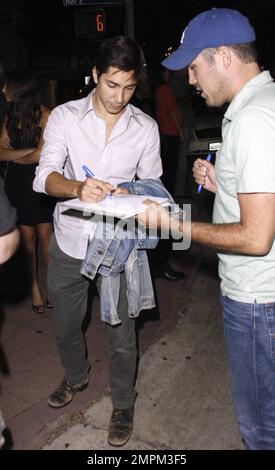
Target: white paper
pixel 121 206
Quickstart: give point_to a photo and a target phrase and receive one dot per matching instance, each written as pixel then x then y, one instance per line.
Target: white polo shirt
pixel 246 164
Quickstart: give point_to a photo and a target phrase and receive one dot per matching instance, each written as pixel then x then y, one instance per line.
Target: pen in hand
pixel 209 156
pixel 90 174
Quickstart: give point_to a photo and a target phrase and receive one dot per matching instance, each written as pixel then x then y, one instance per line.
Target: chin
pixel 115 110
pixel 208 103
pixel 211 103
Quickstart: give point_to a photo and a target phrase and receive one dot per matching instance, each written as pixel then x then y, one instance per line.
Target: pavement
pixel 183 388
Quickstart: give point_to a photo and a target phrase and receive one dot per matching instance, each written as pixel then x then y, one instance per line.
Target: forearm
pixel 12 155
pixel 32 157
pixel 224 237
pixel 235 237
pixel 59 186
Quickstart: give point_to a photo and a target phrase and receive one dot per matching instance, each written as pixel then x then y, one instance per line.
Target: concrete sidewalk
pixel 183 391
pixel 30 364
pixel 183 387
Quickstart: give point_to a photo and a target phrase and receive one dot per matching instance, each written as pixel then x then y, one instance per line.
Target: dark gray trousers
pixel 68 291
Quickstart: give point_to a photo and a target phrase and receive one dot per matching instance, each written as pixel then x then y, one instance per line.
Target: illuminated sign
pixel 90 23
pixel 100 22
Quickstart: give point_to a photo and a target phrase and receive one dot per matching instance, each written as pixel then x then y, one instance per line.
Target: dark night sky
pixel 48 27
pixel 164 27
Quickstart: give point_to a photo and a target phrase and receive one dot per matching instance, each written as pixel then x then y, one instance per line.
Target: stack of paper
pixel 120 206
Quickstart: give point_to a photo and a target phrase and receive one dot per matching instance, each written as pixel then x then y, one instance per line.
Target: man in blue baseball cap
pixel 213 28
pixel 218 46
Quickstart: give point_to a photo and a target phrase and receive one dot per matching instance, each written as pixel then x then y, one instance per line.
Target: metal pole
pixel 129 26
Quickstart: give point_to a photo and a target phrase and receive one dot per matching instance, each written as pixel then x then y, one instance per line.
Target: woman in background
pixel 21 142
pixel 169 119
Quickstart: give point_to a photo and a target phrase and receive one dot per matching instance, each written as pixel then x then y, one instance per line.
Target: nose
pixel 119 96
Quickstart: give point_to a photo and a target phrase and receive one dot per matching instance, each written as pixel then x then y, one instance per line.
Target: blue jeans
pixel 250 340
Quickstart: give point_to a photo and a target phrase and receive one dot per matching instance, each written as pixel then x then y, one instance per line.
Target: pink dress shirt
pixel 75 136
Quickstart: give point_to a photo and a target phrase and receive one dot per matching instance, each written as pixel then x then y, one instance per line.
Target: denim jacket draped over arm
pixel 122 247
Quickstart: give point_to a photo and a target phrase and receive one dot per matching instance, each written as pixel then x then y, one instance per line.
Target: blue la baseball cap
pixel 212 28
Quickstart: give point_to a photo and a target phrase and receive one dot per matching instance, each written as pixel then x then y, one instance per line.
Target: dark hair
pixel 125 54
pixel 246 52
pixel 25 111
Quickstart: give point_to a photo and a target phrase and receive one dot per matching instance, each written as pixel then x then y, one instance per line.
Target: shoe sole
pixel 120 444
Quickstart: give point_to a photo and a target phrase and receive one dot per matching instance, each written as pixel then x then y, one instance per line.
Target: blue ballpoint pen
pixel 88 172
pixel 209 156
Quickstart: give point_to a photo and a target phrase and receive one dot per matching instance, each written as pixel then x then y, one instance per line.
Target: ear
pixel 225 55
pixel 95 77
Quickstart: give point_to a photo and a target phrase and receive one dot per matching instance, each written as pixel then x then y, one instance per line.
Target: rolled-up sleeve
pixel 54 151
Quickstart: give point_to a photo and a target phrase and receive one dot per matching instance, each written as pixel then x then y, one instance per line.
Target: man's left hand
pixel 155 216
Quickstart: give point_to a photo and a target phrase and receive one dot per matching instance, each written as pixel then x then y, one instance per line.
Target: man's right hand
pixel 204 174
pixel 93 190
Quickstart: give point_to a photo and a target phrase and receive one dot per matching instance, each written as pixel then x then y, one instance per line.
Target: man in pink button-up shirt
pixel 117 142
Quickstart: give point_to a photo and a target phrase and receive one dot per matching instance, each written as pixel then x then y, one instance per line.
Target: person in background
pixel 170 123
pixel 182 92
pixel 117 142
pixel 21 141
pixel 218 46
pixel 169 119
pixel 9 240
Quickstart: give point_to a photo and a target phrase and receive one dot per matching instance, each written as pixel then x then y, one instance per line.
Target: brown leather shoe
pixel 121 426
pixel 63 395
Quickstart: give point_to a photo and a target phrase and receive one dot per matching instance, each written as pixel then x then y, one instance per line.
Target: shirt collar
pixel 86 105
pixel 133 112
pixel 246 92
